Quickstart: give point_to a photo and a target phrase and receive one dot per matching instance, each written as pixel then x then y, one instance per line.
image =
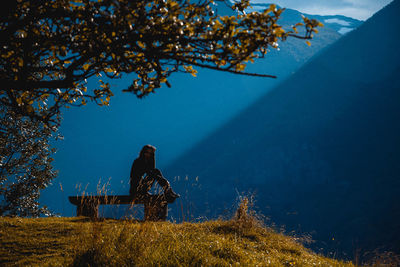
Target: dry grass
pixel 80 242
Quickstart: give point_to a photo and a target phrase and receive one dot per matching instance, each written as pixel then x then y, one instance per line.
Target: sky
pixel 358 9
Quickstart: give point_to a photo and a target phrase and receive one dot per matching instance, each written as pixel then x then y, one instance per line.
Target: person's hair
pixel 146 147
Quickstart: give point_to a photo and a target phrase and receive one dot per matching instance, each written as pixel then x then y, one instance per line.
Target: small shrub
pixel 245 217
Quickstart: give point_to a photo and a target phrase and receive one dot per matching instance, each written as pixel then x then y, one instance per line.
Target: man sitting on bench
pixel 146 164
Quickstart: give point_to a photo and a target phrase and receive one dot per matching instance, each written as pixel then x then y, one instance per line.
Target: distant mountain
pixel 321 151
pixel 101 143
pixel 341 24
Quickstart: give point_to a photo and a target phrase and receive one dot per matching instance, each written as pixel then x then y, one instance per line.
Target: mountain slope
pixel 321 150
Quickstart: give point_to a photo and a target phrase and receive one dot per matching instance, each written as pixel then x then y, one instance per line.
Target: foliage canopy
pixel 49 49
pixel 25 164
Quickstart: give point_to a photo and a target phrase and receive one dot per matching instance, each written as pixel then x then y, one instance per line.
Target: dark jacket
pixel 139 168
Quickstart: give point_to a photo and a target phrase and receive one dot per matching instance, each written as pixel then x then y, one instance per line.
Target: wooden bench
pixel 155 208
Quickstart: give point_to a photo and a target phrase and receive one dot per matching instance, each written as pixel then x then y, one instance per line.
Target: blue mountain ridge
pixel 320 151
pixel 339 23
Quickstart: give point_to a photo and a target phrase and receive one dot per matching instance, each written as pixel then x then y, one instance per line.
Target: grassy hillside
pixel 81 242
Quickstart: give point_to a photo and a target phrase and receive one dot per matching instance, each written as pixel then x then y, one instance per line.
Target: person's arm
pixel 152 164
pixel 135 174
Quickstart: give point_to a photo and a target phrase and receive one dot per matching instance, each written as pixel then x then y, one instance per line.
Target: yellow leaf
pixel 279 31
pixel 240 67
pixel 308 43
pixel 271 7
pixel 109 70
pixel 190 70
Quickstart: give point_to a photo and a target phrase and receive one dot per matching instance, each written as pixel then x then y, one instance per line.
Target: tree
pixel 50 48
pixel 25 164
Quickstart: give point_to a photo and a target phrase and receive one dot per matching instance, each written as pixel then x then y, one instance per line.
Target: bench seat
pixel 155 208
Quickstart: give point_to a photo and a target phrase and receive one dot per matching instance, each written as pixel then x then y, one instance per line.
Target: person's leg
pixel 161 180
pixel 145 184
pixel 169 194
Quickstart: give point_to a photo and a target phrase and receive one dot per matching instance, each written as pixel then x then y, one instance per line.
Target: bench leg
pixel 88 209
pixel 155 210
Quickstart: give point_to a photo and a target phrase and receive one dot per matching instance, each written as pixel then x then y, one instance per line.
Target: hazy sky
pixel 358 9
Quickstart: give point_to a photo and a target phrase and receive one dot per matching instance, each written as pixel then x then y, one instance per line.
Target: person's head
pixel 147 152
